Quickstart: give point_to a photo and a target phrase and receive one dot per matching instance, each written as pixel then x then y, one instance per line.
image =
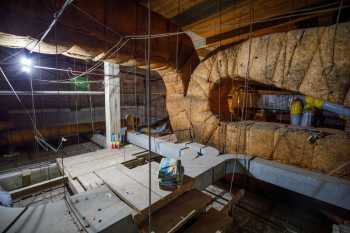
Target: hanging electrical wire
pixel 326 8
pixel 177 45
pixel 91 107
pixel 34 113
pixel 148 91
pixel 15 93
pixel 327 71
pixel 96 21
pixel 219 66
pixel 55 19
pixel 76 101
pixel 246 86
pixel 293 13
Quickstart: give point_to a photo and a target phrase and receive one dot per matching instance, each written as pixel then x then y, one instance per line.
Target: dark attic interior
pixel 167 116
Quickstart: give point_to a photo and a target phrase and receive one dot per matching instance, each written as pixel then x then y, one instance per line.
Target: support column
pixel 112 101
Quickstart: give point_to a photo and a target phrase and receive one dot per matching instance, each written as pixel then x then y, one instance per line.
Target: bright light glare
pixel 26 61
pixel 26 69
pixel 26 64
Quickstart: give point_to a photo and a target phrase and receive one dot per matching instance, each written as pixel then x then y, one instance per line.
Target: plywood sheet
pixel 128 189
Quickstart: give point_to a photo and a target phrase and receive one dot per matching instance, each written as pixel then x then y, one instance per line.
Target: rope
pixel 219 66
pixel 34 114
pixel 96 21
pixel 135 90
pixel 177 45
pixel 246 85
pixel 76 109
pixel 91 108
pixel 148 116
pixel 326 72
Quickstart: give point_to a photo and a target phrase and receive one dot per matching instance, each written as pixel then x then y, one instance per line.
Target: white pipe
pixel 53 93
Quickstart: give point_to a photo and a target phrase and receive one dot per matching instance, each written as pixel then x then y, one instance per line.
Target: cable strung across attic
pixel 246 86
pixel 56 17
pixel 148 87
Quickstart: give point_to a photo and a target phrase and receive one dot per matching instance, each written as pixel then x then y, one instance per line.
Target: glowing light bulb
pixel 26 64
pixel 26 69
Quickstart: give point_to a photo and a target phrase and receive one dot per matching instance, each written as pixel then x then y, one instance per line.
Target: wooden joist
pixel 259 29
pixel 90 181
pixel 29 190
pixel 173 216
pixel 201 11
pixel 211 222
pixel 75 186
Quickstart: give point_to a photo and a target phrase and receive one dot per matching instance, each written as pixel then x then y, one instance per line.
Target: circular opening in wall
pixel 228 99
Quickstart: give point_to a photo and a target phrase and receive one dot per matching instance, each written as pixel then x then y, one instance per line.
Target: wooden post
pixel 112 101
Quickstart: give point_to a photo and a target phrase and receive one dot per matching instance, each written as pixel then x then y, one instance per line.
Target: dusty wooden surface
pixel 171 217
pixel 105 167
pixel 211 222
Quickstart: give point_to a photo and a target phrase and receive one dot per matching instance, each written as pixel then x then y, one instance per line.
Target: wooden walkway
pixel 105 167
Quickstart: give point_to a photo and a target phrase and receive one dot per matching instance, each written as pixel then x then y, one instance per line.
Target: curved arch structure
pixel 299 60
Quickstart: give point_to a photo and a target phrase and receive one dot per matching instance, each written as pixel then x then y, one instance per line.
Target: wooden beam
pixel 112 101
pixel 15 194
pixel 259 29
pixel 201 11
pixel 88 29
pixel 325 18
pixel 178 212
pixel 239 14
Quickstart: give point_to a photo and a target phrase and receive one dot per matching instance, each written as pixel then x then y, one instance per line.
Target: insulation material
pixel 218 138
pixel 331 152
pixel 260 139
pixel 289 60
pixel 292 147
pixel 236 136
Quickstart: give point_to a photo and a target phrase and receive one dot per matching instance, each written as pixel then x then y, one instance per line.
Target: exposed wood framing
pixel 29 190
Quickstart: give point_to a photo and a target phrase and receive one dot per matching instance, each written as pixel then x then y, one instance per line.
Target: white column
pixel 112 101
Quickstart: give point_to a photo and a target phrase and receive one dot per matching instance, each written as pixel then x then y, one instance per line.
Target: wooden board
pixel 128 150
pixel 75 186
pixel 131 185
pixel 92 166
pixel 83 164
pixel 82 158
pixel 210 222
pixel 172 216
pixel 90 181
pixel 128 189
pixel 140 174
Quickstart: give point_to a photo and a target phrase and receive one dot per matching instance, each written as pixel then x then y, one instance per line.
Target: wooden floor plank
pixel 126 188
pixel 186 206
pixel 75 186
pixel 140 174
pixel 92 166
pixel 128 150
pixel 210 222
pixel 90 181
